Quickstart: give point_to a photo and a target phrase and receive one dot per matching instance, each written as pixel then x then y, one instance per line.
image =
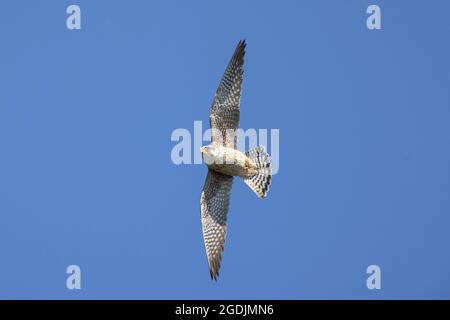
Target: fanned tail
pixel 260 182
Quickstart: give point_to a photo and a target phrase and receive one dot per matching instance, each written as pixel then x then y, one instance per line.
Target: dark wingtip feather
pixel 214 266
pixel 242 45
pixel 214 274
pixel 240 49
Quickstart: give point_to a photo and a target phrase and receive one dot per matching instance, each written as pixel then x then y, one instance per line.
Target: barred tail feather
pixel 260 182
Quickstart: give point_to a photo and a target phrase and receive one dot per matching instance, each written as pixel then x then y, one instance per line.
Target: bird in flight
pixel 224 161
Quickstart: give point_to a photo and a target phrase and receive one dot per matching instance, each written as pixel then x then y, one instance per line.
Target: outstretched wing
pixel 225 107
pixel 214 203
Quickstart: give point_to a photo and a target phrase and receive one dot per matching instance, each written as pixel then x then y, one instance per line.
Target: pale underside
pixel 230 162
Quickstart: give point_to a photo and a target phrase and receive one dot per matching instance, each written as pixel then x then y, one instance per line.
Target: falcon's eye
pixel 204 150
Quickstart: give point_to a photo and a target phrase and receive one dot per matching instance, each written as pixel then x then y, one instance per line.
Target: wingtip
pixel 242 43
pixel 214 275
pixel 214 267
pixel 240 49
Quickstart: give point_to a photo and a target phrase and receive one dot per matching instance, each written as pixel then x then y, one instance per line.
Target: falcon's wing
pixel 225 107
pixel 214 203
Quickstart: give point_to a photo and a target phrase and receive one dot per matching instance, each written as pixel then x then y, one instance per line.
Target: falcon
pixel 224 161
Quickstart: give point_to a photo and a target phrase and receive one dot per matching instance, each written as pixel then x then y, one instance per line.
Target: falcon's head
pixel 209 154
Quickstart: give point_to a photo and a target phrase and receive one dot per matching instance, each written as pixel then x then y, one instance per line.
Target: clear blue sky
pixel 86 176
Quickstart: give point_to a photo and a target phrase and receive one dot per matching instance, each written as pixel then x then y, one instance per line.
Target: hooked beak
pixel 202 150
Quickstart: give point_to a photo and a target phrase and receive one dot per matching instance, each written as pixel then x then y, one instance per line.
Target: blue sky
pixel 86 176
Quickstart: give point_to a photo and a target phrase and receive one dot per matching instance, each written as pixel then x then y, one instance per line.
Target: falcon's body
pixel 228 161
pixel 224 161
